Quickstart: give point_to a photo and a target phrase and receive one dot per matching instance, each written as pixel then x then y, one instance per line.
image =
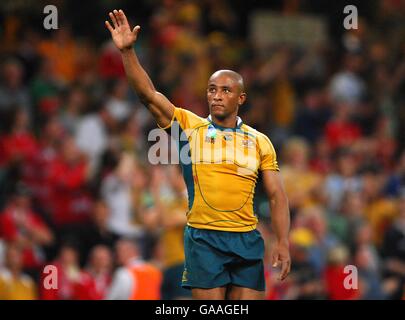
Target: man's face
pixel 224 95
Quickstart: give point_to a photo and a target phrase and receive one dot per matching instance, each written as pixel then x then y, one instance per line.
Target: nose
pixel 217 96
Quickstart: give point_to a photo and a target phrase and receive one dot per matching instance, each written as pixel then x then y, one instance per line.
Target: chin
pixel 220 115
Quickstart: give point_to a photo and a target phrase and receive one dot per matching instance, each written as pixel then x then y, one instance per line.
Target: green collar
pixel 239 123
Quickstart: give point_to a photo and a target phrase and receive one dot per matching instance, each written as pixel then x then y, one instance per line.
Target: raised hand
pixel 121 33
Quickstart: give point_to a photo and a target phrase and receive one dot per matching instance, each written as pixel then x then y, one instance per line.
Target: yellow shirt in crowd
pixel 12 288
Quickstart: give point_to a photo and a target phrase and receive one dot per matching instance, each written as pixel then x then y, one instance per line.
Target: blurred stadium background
pixel 74 175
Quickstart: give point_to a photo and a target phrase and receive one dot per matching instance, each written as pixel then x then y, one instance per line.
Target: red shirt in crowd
pixel 36 175
pixel 92 287
pixel 69 200
pixel 110 64
pixel 340 134
pixel 334 284
pixel 65 283
pixel 75 284
pixel 10 229
pixel 21 145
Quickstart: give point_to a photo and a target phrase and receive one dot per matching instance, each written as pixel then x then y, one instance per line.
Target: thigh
pixel 241 293
pixel 209 294
pixel 248 274
pixel 247 269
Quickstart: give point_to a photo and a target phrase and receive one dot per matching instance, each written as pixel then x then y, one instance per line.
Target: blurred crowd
pixel 77 190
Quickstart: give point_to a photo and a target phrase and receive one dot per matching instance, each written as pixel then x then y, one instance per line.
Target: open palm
pixel 121 33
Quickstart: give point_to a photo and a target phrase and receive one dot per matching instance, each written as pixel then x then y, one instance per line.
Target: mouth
pixel 217 106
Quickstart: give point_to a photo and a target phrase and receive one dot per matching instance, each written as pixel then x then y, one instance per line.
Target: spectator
pixel 77 103
pixel 343 180
pixel 306 282
pixel 117 103
pixel 92 135
pixel 311 118
pixel 302 185
pixel 334 276
pixel 393 250
pixel 135 279
pixel 380 211
pixel 14 284
pixel 12 90
pixel 68 177
pixel 315 221
pixel 340 130
pixel 347 86
pixel 95 280
pixel 364 260
pixel 19 144
pixel 171 200
pixel 62 53
pixel 36 173
pixel 396 182
pixel 45 90
pixel 116 191
pixel 97 232
pixel 68 274
pixel 20 225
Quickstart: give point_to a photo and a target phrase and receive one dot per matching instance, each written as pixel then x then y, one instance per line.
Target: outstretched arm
pixel 280 219
pixel 124 38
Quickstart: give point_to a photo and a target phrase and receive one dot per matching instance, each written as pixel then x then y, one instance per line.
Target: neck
pixel 228 122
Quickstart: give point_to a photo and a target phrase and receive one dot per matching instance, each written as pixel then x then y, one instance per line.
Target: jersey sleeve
pixel 268 157
pixel 185 118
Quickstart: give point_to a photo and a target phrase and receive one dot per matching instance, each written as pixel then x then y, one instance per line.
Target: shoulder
pixel 186 116
pixel 260 137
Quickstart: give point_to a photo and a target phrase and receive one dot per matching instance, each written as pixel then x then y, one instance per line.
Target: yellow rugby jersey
pixel 220 167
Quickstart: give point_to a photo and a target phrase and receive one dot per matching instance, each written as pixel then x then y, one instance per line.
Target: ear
pixel 242 98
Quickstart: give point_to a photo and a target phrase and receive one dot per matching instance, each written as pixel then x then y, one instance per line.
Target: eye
pixel 211 90
pixel 226 90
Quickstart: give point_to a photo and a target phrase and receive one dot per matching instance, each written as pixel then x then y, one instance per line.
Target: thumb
pixel 274 259
pixel 136 30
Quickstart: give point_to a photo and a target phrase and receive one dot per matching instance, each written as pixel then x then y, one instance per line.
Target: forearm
pixel 124 38
pixel 137 76
pixel 280 217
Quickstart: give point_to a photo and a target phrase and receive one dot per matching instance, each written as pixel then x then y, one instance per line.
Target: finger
pixel 114 21
pixel 123 17
pixel 109 27
pixel 285 269
pixel 117 16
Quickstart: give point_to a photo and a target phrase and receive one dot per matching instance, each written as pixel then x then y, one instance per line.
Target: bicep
pixel 162 109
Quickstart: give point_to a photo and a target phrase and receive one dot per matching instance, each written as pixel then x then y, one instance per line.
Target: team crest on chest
pixel 246 143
